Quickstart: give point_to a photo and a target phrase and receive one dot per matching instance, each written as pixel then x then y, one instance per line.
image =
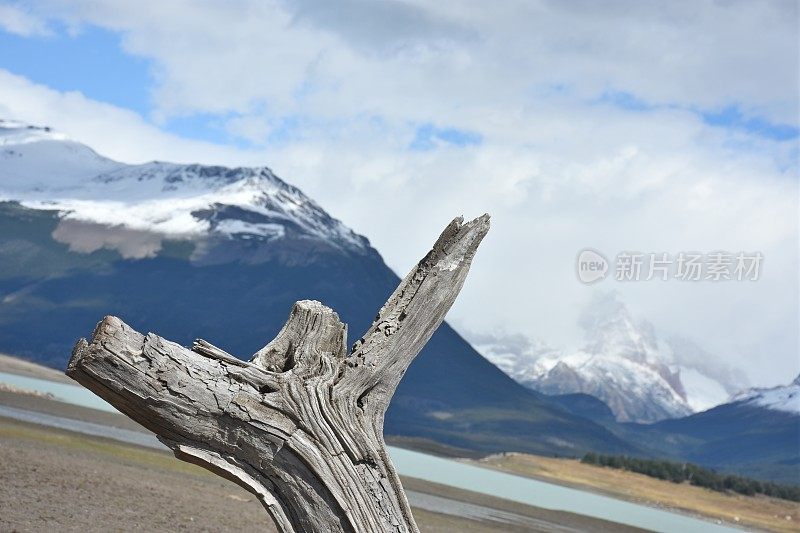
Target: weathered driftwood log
pixel 301 424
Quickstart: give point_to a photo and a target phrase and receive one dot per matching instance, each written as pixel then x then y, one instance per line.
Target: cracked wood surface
pixel 301 424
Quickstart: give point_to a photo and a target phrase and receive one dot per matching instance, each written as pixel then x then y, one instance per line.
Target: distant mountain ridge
pixel 744 437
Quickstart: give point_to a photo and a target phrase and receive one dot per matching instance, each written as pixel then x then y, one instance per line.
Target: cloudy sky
pixel 632 125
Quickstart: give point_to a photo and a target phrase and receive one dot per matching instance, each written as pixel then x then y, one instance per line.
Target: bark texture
pixel 301 424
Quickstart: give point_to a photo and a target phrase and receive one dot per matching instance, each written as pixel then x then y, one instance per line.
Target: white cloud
pixel 449 61
pixel 332 99
pixel 14 19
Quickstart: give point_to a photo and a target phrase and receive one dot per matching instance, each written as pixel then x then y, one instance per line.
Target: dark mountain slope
pixel 748 440
pixel 237 296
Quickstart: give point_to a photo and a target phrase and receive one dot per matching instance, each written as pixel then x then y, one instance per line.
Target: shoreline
pixel 59 447
pixel 780 523
pixel 426 497
pixel 43 404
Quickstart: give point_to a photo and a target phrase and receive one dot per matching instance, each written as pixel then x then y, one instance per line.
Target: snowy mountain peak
pixel 37 158
pixel 621 362
pixel 43 169
pixel 610 329
pixel 781 398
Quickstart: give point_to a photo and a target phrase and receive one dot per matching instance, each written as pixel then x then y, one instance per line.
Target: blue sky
pixel 621 125
pixel 92 62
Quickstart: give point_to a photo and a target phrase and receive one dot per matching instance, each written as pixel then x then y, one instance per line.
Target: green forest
pixel 695 475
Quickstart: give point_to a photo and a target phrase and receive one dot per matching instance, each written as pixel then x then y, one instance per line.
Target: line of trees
pixel 696 475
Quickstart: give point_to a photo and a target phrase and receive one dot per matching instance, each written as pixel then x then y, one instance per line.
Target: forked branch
pixel 301 424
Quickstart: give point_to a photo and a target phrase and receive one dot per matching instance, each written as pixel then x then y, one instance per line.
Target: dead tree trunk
pixel 301 424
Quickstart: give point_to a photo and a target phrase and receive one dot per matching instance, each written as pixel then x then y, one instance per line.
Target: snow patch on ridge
pixel 234 227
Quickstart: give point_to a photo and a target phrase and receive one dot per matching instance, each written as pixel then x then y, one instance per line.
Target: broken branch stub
pixel 301 424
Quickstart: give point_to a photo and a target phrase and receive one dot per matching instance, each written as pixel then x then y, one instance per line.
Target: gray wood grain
pixel 301 424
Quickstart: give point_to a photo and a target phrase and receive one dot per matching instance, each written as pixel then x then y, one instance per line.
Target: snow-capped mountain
pixel 43 169
pixel 782 398
pixel 223 253
pixel 622 362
